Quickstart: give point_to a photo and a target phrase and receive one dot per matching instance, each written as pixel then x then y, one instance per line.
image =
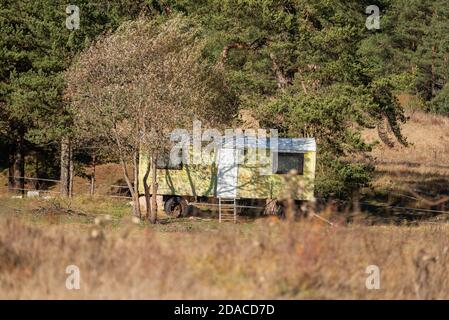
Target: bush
pixel 337 178
pixel 440 104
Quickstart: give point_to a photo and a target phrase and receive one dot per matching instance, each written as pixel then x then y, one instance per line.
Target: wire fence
pixel 37 189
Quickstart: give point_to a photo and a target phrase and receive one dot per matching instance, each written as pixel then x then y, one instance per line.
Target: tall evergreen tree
pixel 36 47
pixel 297 65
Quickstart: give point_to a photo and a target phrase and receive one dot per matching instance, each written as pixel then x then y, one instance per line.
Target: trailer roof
pixel 293 145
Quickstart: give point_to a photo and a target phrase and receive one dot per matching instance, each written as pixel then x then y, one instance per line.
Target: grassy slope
pixel 417 175
pixel 420 168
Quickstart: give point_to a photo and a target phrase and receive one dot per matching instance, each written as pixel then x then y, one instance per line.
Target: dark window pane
pixel 290 161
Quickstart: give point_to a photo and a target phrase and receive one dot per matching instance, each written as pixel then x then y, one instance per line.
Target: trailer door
pixel 227 171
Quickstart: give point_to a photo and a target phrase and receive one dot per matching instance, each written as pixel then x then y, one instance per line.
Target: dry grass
pixel 421 166
pixel 107 176
pixel 266 259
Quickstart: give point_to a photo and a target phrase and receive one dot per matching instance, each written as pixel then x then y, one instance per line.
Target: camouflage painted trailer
pixel 281 168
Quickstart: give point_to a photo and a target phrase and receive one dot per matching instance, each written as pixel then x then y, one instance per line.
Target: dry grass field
pixel 190 258
pixel 259 259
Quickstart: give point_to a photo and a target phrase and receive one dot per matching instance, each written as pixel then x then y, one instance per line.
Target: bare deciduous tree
pixel 135 86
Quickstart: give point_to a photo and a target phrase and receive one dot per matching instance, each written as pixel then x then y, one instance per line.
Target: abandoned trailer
pixel 245 173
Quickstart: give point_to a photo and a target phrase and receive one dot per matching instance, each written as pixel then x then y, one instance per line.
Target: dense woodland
pixel 309 68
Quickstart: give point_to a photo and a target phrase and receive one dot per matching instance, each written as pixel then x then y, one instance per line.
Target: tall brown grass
pixel 268 259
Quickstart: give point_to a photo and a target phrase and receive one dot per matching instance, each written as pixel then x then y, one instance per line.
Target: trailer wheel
pixel 275 208
pixel 279 210
pixel 175 207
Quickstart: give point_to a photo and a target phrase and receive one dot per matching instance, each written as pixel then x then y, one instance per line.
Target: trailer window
pixel 290 161
pixel 163 162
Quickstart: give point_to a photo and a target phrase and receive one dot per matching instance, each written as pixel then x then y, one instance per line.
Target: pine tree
pixel 36 48
pixel 298 67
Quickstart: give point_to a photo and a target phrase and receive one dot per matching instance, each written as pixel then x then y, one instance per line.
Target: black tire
pixel 279 210
pixel 175 207
pixel 275 208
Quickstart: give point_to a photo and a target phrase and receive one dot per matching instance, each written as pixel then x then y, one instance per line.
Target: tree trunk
pixel 134 194
pixel 153 189
pixel 92 177
pixel 36 171
pixel 19 171
pixel 66 168
pixel 136 155
pixel 71 171
pixel 147 190
pixel 282 80
pixel 136 176
pixel 11 168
